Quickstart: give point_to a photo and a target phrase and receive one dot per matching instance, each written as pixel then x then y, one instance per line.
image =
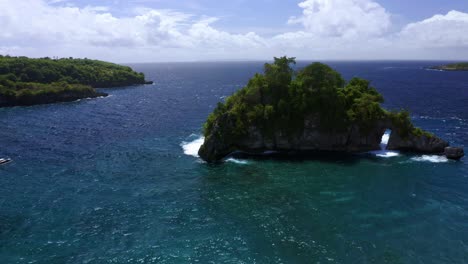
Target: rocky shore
pixel 49 98
pixel 311 139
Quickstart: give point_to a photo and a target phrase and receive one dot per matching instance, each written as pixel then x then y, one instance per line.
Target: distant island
pixel 461 66
pixel 309 111
pixel 25 81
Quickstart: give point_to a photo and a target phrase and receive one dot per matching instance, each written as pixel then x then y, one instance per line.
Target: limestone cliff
pixel 217 145
pixel 417 143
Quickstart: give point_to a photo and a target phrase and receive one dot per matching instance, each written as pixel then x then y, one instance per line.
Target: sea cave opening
pixel 385 138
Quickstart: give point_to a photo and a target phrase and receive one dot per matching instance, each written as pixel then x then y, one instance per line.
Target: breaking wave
pixel 191 148
pixel 237 161
pixel 431 158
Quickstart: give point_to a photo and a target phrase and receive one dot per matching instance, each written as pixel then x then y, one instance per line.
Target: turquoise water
pixel 117 180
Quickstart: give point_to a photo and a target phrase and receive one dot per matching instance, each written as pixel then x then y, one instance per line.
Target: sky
pixel 207 30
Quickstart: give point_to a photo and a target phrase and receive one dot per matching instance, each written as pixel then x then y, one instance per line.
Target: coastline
pixel 65 96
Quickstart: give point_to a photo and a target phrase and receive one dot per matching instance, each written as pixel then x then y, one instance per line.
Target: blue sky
pixel 415 10
pixel 241 15
pixel 275 11
pixel 163 30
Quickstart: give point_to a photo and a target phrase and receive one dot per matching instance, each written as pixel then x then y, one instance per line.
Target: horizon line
pixel 302 60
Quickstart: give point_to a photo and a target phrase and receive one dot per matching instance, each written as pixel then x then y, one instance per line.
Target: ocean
pixel 118 180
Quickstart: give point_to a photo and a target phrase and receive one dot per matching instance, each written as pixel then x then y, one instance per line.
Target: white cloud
pixel 439 31
pixel 203 34
pixel 343 18
pixel 36 23
pixel 330 29
pixel 338 29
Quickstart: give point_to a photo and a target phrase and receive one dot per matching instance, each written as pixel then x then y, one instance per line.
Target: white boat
pixel 3 161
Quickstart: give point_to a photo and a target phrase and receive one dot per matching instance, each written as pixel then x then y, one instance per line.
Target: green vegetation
pixel 401 120
pixel 280 100
pixel 461 66
pixel 37 93
pixel 25 81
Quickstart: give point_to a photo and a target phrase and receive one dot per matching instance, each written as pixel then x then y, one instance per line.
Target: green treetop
pixel 281 99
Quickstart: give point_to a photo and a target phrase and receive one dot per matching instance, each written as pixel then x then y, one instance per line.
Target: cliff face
pixel 217 145
pixel 415 143
pixel 311 139
pixel 49 98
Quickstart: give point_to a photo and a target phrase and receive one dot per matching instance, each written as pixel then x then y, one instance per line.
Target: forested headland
pixel 27 81
pixel 460 66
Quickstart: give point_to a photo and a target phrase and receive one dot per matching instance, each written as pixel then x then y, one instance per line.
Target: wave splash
pixel 237 161
pixel 385 139
pixel 386 154
pixel 431 158
pixel 383 152
pixel 191 148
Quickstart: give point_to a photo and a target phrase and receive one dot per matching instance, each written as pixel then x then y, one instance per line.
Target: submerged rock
pixel 455 153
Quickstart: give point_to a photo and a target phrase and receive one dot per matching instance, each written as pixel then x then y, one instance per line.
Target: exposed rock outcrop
pixel 63 96
pixel 416 143
pixel 455 153
pixel 219 144
pixel 312 138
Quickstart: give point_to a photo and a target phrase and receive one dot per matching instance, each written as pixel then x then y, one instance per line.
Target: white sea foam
pixel 91 98
pixel 387 154
pixel 383 153
pixel 237 161
pixel 191 148
pixel 429 69
pixel 431 158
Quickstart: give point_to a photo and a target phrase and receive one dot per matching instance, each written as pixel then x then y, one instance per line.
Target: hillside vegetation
pixel 26 81
pixel 281 99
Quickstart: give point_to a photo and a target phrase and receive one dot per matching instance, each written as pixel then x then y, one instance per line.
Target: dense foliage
pixel 98 74
pixel 22 79
pixel 281 99
pixel 38 93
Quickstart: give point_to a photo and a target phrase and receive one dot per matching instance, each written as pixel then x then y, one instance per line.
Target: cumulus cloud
pixel 338 29
pixel 343 18
pixel 203 34
pixel 34 23
pixel 450 30
pixel 329 29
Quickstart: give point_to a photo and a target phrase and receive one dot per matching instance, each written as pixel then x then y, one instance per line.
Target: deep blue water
pixel 107 180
